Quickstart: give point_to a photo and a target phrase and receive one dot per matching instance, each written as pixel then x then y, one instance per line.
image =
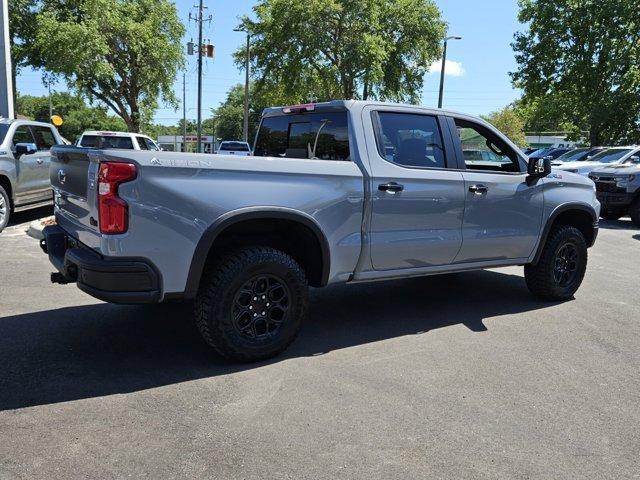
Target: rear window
pixel 296 136
pixel 107 142
pixel 234 146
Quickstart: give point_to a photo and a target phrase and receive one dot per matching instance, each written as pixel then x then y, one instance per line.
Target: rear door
pixel 502 215
pixel 417 195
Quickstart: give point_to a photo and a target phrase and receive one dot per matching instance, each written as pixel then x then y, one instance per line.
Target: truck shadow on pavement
pixel 96 350
pixel 622 224
pixel 30 215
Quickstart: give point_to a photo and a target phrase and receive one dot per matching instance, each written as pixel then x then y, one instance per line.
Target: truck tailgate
pixel 73 177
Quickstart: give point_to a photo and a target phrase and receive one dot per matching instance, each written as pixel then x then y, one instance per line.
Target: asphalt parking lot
pixel 457 376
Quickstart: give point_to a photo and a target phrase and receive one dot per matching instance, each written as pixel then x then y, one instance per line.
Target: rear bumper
pixel 117 281
pixel 619 200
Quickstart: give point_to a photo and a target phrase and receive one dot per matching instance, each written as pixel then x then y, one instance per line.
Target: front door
pixel 45 139
pixel 417 202
pixel 503 215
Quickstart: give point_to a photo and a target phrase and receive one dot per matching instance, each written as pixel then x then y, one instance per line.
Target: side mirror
pixel 635 159
pixel 25 149
pixel 539 167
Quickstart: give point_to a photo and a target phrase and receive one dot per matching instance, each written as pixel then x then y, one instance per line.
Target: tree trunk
pixel 134 122
pixel 594 136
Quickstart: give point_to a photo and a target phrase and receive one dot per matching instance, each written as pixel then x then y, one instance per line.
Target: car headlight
pixel 624 181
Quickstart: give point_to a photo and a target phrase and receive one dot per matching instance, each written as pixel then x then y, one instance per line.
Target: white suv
pixel 116 140
pixel 232 147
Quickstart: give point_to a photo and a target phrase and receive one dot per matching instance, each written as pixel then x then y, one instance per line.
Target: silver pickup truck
pixel 344 191
pixel 24 165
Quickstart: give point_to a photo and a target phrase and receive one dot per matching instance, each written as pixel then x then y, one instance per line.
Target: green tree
pixel 124 53
pixel 229 116
pixel 510 122
pixel 343 48
pixel 77 115
pixel 581 60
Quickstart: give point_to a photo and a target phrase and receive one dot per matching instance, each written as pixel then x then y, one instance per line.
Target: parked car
pixel 540 152
pixel 577 155
pixel 609 156
pixel 24 166
pixel 344 191
pixel 116 140
pixel 551 153
pixel 618 189
pixel 229 147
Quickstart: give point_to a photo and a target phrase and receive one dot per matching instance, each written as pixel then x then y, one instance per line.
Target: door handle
pixel 391 187
pixel 478 189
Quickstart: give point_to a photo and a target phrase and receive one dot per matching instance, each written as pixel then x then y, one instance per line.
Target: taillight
pixel 113 211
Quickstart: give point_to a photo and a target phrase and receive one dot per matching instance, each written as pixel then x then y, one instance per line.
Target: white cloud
pixel 450 68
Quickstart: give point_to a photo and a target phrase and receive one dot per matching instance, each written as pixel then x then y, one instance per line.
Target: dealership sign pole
pixel 6 81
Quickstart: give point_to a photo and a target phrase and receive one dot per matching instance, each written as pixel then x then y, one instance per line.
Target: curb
pixel 36 227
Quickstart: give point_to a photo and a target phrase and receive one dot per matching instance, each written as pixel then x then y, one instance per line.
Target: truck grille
pixel 608 187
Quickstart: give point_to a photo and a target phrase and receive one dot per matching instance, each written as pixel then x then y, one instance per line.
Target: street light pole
pixel 6 78
pixel 247 73
pixel 444 60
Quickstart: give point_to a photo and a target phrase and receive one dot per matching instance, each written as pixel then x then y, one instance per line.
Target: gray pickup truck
pixel 24 165
pixel 344 191
pixel 618 188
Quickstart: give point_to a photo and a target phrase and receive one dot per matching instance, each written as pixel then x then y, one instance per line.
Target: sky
pixel 476 77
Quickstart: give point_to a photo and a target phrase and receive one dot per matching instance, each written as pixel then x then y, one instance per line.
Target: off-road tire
pixel 634 212
pixel 540 276
pixel 612 214
pixel 217 295
pixel 5 205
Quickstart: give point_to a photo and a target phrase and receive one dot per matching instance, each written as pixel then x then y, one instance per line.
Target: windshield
pixel 3 131
pixel 610 156
pixel 234 146
pixel 573 155
pixel 540 152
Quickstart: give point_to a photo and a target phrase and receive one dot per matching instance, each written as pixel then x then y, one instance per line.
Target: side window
pixel 44 138
pixel 296 136
pixel 142 143
pixel 410 140
pixel 151 145
pixel 22 134
pixel 483 150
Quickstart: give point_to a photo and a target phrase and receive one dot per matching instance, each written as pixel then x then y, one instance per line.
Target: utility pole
pixel 444 61
pixel 247 74
pixel 50 102
pixel 245 126
pixel 184 112
pixel 6 79
pixel 200 12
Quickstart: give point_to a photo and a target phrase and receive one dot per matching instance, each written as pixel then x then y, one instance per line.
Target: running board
pixel 31 206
